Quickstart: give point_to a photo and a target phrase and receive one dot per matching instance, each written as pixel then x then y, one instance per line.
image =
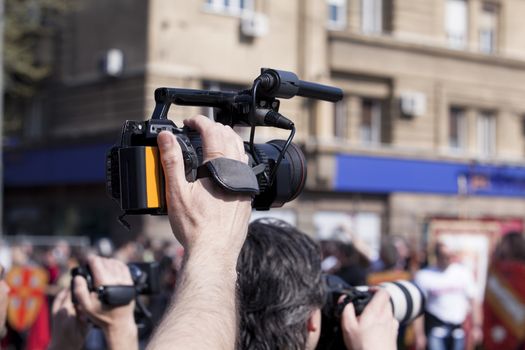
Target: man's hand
pixel 117 323
pixel 375 328
pixel 68 330
pixel 201 212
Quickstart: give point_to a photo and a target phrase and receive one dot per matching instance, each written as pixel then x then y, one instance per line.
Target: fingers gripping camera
pixel 406 299
pixel 145 277
pixel 276 172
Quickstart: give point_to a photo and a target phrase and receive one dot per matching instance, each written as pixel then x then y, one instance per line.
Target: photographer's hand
pixel 68 331
pixel 375 328
pixel 201 214
pixel 212 225
pixel 117 323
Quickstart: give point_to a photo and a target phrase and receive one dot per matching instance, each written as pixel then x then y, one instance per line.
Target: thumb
pixel 349 326
pixel 172 163
pixel 348 318
pixel 82 294
pixel 59 301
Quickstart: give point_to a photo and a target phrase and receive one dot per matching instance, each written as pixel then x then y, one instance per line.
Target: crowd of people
pixel 229 284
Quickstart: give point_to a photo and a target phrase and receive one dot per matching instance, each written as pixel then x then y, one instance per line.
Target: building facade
pixel 431 126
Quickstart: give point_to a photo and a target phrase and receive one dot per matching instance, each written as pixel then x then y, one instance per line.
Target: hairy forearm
pixel 203 314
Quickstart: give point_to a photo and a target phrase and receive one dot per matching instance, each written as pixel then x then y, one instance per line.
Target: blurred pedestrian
pixel 451 295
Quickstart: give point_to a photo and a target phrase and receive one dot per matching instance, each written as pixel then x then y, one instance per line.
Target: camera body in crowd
pixel 406 298
pixel 145 277
pixel 134 175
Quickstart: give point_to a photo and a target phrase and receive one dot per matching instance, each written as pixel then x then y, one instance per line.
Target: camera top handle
pixel 164 97
pixel 237 107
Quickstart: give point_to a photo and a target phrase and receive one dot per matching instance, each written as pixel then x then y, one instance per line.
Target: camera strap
pixel 116 295
pixel 231 175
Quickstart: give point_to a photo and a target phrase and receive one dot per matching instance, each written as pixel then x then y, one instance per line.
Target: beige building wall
pixel 185 43
pixel 186 38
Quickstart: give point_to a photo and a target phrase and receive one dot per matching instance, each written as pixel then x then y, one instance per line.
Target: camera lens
pixel 295 158
pixel 406 298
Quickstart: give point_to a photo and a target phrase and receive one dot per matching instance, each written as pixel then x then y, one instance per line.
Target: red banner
pixel 504 307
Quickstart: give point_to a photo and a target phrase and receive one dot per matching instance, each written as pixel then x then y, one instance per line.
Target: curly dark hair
pixel 279 285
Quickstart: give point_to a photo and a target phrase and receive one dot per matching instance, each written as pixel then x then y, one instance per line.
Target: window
pixel 372 16
pixel 457 134
pixel 486 133
pixel 488 28
pixel 336 14
pixel 456 23
pixel 340 119
pixel 234 7
pixel 370 126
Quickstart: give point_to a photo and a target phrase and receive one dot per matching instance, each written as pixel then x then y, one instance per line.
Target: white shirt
pixel 448 292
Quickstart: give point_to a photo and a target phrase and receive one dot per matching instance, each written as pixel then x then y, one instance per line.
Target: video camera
pixel 146 281
pixel 134 176
pixel 406 298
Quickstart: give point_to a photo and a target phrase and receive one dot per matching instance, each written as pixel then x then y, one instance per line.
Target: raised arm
pixel 212 225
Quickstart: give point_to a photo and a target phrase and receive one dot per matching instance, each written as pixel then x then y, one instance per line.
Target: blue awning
pixel 383 175
pixel 55 166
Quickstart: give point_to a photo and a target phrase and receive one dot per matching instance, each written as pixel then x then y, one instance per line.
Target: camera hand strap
pixel 231 175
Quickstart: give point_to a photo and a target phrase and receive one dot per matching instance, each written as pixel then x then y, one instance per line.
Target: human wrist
pixel 214 260
pixel 222 246
pixel 121 334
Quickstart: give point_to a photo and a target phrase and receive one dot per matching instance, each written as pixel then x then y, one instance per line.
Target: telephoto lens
pixel 406 298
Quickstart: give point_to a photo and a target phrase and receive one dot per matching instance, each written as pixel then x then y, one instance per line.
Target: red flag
pixel 504 306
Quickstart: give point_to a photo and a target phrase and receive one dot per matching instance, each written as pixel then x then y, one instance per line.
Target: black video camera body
pixel 134 175
pixel 406 298
pixel 145 277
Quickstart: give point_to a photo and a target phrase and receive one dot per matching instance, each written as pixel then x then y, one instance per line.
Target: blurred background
pixel 430 136
pixel 428 142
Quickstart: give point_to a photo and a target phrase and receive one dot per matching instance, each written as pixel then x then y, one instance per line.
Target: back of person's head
pixel 279 286
pixel 511 247
pixel 388 253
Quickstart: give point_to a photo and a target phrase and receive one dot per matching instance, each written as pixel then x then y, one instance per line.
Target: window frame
pixel 372 20
pixel 486 133
pixel 341 119
pixel 489 8
pixel 459 145
pixel 342 8
pixel 455 41
pixel 373 136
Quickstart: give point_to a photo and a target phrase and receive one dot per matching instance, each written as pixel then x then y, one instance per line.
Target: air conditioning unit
pixel 254 25
pixel 112 64
pixel 413 104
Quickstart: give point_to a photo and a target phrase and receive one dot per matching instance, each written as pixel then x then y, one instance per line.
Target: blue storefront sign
pixel 385 175
pixel 55 166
